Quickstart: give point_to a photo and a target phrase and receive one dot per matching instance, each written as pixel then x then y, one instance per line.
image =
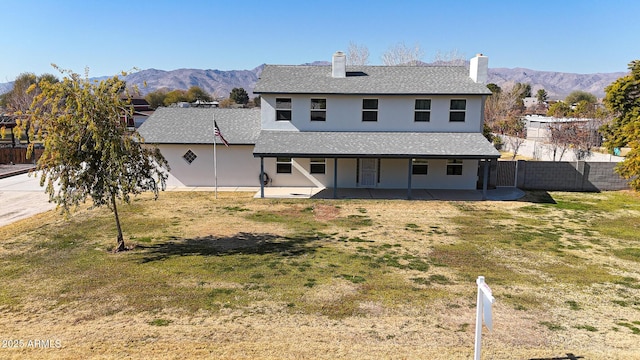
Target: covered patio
pixel 375 145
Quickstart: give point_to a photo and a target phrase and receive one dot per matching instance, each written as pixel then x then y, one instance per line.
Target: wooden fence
pixel 18 156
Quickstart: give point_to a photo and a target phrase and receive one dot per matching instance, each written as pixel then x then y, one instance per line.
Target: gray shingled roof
pixel 374 144
pixel 369 80
pixel 195 126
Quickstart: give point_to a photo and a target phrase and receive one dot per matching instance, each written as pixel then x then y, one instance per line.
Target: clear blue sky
pixel 108 36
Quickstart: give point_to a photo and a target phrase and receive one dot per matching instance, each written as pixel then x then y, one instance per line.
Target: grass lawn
pixel 244 278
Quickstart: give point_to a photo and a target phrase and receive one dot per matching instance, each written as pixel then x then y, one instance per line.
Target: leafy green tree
pixel 578 95
pixel 523 90
pixel 196 93
pixel 239 95
pixel 495 89
pixel 623 99
pixel 559 109
pixel 256 101
pixel 156 98
pixel 542 96
pixel 175 96
pixel 88 151
pixel 17 101
pixel 584 109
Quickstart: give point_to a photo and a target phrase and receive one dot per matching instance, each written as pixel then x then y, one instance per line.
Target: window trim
pixel 370 111
pixel 282 165
pixel 454 167
pixel 318 162
pixel 417 111
pixel 457 111
pixel 318 111
pixel 419 164
pixel 284 110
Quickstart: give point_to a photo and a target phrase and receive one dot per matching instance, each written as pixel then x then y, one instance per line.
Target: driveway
pixel 21 197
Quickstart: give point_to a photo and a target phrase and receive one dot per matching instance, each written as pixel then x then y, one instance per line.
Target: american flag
pixel 218 133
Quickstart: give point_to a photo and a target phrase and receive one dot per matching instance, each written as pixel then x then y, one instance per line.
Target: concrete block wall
pixel 568 176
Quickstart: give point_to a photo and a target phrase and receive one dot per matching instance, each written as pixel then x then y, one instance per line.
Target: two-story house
pixel 338 126
pixel 392 127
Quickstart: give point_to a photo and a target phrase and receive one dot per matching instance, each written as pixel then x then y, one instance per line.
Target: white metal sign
pixel 483 310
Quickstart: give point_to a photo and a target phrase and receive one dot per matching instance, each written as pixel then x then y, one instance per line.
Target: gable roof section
pixel 369 80
pixel 195 126
pixel 374 144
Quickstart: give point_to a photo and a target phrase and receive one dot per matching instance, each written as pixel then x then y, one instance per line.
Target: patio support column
pixel 409 179
pixel 335 178
pixel 261 177
pixel 485 178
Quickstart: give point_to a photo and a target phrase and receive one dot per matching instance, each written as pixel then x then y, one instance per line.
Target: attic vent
pixel 356 73
pixel 189 156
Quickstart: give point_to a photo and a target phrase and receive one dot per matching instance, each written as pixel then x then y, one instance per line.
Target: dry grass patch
pixel 240 277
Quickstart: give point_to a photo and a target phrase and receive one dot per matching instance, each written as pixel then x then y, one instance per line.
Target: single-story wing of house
pixel 185 137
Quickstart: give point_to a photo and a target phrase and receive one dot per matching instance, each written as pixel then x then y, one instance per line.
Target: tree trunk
pixel 120 240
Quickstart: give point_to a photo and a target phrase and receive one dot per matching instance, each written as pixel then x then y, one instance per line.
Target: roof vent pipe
pixel 479 69
pixel 339 65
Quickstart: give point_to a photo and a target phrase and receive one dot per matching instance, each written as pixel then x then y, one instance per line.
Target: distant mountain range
pixel 220 83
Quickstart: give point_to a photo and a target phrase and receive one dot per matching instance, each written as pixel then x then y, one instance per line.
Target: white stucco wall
pixel 395 171
pixel 236 165
pixel 393 175
pixel 395 113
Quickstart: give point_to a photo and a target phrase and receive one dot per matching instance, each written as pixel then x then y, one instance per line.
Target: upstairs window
pixel 420 167
pixel 283 109
pixel 318 109
pixel 317 166
pixel 422 110
pixel 369 109
pixel 457 110
pixel 454 167
pixel 283 165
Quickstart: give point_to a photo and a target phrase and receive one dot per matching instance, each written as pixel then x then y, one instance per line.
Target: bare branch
pixel 357 54
pixel 451 57
pixel 400 54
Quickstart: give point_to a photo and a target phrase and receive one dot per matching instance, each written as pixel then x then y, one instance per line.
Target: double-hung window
pixel 283 165
pixel 369 109
pixel 422 110
pixel 318 109
pixel 457 110
pixel 317 166
pixel 454 167
pixel 283 109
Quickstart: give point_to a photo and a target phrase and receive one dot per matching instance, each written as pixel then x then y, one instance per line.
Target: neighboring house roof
pixel 374 144
pixel 195 126
pixel 372 80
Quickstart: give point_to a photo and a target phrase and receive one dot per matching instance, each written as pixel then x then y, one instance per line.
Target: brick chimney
pixel 479 69
pixel 339 65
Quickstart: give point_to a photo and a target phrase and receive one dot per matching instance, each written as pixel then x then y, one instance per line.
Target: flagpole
pixel 215 160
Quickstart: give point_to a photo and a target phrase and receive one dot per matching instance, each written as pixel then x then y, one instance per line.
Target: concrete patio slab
pixel 499 194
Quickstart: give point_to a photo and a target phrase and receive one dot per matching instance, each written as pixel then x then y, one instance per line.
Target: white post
pixel 479 307
pixel 215 160
pixel 484 293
